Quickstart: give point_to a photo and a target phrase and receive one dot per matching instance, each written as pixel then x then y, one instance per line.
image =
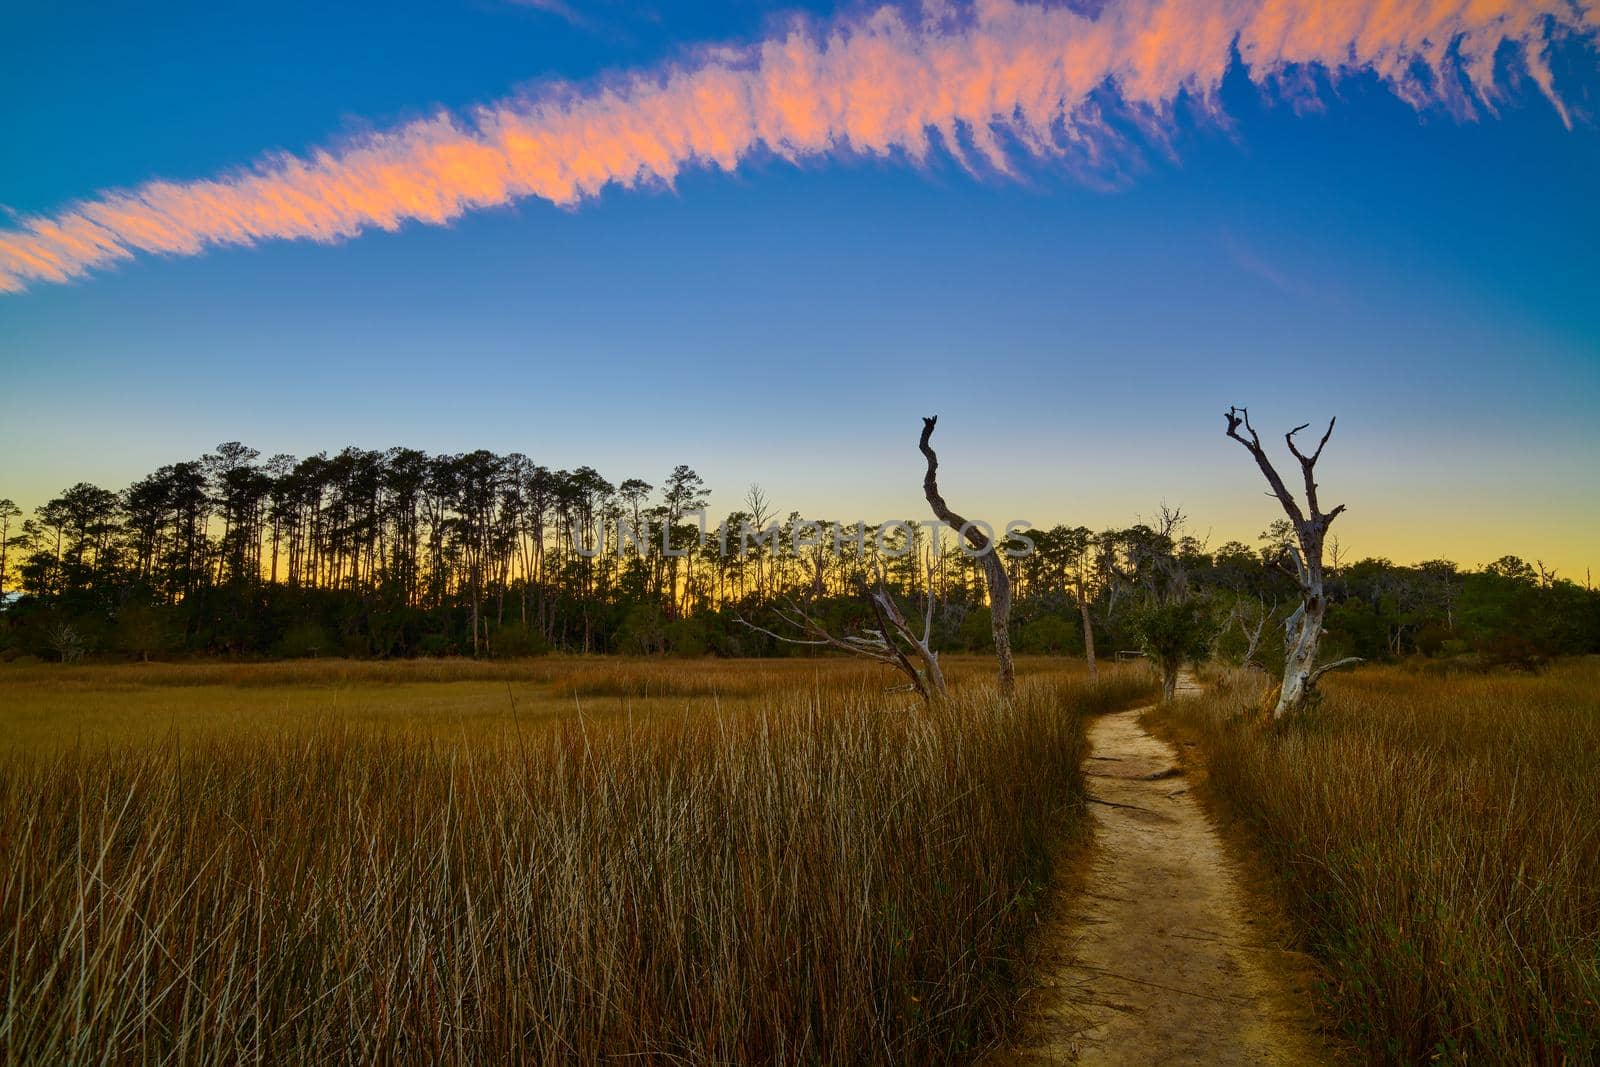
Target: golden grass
pixel 820 874
pixel 45 707
pixel 1439 844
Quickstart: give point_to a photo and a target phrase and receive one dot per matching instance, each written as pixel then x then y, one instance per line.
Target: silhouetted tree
pixel 401 553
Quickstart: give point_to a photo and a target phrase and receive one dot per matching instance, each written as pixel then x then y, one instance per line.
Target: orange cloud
pixel 983 83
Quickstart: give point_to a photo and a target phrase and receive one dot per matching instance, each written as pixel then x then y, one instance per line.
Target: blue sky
pixel 1432 281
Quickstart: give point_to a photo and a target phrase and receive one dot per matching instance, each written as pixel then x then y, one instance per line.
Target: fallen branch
pixel 893 644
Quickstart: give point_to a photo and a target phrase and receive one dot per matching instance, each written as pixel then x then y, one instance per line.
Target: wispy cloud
pixel 558 8
pixel 984 84
pixel 1251 262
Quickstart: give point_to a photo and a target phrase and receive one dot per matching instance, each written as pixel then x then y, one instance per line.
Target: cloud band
pixel 984 83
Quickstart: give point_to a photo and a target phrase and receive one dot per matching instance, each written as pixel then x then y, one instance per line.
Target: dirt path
pixel 1158 960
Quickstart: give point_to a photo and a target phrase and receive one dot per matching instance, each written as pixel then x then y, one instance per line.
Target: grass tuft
pixel 1439 844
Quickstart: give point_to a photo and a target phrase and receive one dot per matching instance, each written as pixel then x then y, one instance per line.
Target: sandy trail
pixel 1159 960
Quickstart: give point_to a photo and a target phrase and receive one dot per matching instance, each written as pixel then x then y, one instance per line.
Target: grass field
pixel 712 863
pixel 1438 842
pixel 45 707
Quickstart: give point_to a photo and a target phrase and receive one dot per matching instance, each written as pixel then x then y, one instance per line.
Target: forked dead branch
pixel 1302 630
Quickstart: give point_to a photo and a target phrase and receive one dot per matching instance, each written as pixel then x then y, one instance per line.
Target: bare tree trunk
pixel 1301 636
pixel 1303 629
pixel 988 553
pixel 475 602
pixel 1088 633
pixel 8 511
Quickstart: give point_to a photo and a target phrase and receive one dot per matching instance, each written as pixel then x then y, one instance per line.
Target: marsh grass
pixel 830 876
pixel 584 675
pixel 51 706
pixel 1438 840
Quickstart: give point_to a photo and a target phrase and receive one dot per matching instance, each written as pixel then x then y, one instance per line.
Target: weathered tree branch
pixel 1303 628
pixel 1348 661
pixel 1308 467
pixel 1241 416
pixel 887 645
pixel 988 553
pixel 930 678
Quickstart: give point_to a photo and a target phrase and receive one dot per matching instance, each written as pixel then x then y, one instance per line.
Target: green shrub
pixel 515 641
pixel 305 639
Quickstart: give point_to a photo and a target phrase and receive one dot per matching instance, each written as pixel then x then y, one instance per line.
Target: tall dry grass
pixel 47 707
pixel 1439 841
pixel 822 880
pixel 634 676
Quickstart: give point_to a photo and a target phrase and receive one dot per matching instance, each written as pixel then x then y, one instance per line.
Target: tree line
pixel 401 553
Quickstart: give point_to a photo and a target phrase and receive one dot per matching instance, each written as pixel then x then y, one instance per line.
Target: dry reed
pixel 824 877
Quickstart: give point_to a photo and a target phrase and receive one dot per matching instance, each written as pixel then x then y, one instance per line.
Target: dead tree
pixel 1080 545
pixel 1253 626
pixel 893 643
pixel 1088 629
pixel 1302 630
pixel 1253 634
pixel 988 553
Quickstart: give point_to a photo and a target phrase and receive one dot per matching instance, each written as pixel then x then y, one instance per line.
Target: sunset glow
pixel 856 533
pixel 759 240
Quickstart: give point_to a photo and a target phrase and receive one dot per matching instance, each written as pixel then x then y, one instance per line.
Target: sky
pixel 764 241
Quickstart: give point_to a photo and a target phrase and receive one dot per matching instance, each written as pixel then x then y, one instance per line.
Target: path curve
pixel 1157 959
